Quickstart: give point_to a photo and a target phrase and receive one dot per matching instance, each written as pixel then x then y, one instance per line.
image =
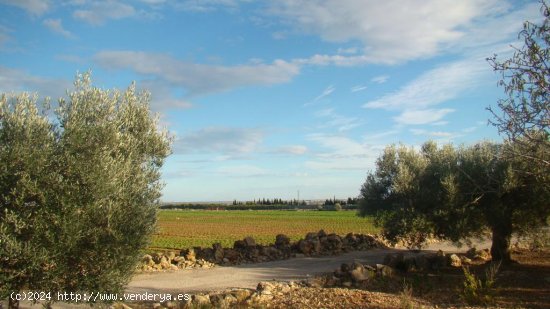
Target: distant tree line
pixel 334 201
pixel 275 201
pixel 269 204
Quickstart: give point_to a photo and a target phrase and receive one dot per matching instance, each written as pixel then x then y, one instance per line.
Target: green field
pixel 179 229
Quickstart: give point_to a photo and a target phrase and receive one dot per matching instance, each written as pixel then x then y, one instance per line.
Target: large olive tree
pixel 524 115
pixel 454 194
pixel 79 187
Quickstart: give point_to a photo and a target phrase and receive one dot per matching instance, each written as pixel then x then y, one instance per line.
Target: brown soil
pixel 525 284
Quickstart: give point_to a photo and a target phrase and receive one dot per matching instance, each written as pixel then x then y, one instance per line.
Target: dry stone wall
pixel 248 251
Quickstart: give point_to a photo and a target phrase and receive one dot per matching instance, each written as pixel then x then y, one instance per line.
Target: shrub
pixel 79 186
pixel 477 291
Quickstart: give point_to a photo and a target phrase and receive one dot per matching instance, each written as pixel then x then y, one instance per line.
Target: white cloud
pixel 33 7
pixel 331 119
pixel 441 84
pixel 431 133
pixel 154 2
pixel 324 112
pixel 497 29
pixel 4 35
pixel 380 79
pixel 198 78
pixel 56 26
pixel 342 153
pixel 415 117
pixel 469 129
pixel 340 145
pixel 242 171
pixel 358 88
pixel 161 97
pixel 439 123
pixel 328 91
pixel 338 60
pixel 291 149
pixel 205 5
pixel 97 12
pixel 348 51
pixel 443 136
pixel 17 80
pixel 221 140
pixel 391 31
pixel 279 35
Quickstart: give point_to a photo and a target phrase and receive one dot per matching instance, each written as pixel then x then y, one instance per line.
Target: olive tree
pixel 524 116
pixel 453 194
pixel 79 186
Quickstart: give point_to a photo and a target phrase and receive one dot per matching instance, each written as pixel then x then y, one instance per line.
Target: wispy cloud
pixel 205 5
pixel 337 60
pixel 431 133
pixel 348 51
pixel 242 171
pixel 431 25
pixel 416 99
pixel 291 149
pixel 56 26
pixel 380 79
pixel 4 35
pixel 380 137
pixel 358 88
pixel 331 119
pixel 33 7
pixel 198 78
pixel 161 97
pixel 220 140
pixel 328 91
pixel 422 116
pixel 342 153
pixel 97 12
pixel 439 123
pixel 19 80
pixel 438 85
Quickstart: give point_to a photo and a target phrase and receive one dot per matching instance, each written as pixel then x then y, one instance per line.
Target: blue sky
pixel 265 98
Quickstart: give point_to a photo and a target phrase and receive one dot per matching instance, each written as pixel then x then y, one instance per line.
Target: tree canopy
pixel 524 116
pixel 79 187
pixel 453 193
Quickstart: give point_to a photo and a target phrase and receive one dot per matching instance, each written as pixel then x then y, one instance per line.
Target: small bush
pixel 477 291
pixel 405 296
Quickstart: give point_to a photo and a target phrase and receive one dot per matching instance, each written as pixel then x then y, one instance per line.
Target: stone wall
pixel 247 251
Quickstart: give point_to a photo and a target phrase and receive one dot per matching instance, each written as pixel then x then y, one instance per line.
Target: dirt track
pixel 248 275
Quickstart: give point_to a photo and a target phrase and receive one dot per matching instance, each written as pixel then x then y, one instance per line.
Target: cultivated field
pixel 184 228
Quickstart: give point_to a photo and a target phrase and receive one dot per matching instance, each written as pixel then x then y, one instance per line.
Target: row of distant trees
pixel 294 202
pixel 275 201
pixel 334 201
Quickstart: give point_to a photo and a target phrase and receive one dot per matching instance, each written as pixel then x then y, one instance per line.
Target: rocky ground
pixel 429 279
pixel 432 280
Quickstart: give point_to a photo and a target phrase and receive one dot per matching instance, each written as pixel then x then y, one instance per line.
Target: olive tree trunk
pixel 12 303
pixel 500 249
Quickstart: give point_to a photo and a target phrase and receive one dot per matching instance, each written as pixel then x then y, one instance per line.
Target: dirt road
pixel 248 275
